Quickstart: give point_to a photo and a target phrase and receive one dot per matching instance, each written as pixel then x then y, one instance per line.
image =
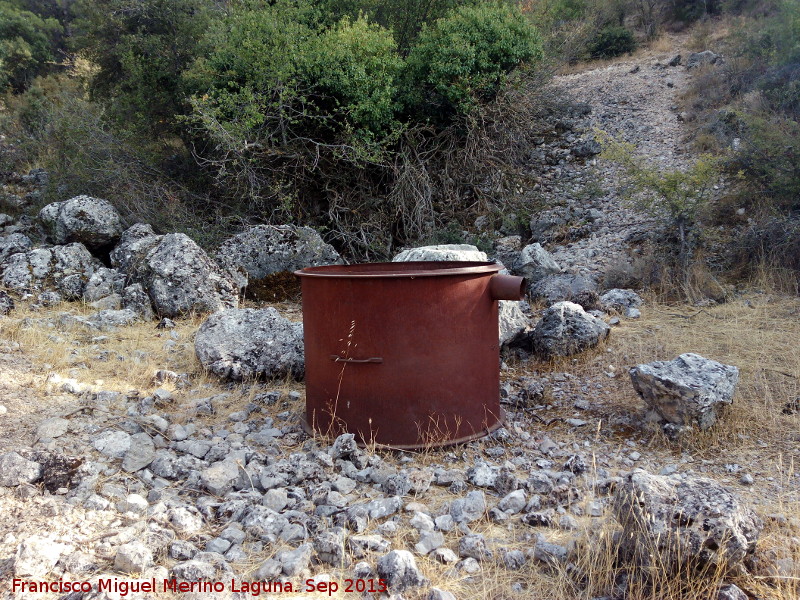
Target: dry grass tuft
pixel 121 359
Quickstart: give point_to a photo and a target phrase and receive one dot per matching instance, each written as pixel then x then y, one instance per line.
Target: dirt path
pixel 636 100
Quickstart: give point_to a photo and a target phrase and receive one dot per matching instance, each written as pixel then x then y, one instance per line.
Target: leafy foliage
pixel 352 68
pixel 141 48
pixel 27 46
pixel 612 41
pixel 677 195
pixel 465 58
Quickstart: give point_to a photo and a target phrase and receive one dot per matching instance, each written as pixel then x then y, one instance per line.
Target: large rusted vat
pixel 404 354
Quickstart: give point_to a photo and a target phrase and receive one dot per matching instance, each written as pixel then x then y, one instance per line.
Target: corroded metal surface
pixel 404 354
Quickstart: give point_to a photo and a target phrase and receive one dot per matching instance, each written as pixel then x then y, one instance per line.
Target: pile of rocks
pixel 134 273
pixel 181 501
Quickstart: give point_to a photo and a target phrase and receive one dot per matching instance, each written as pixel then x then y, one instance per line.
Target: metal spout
pixel 507 287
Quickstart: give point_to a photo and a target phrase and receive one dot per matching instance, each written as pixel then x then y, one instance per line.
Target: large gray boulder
pixel 47 268
pixel 561 286
pixel 566 329
pixel 513 320
pixel 245 343
pixel 133 246
pixel 442 252
pixel 14 243
pixel 677 522
pixel 179 276
pixel 535 263
pixel 688 390
pixel 264 250
pixel 91 221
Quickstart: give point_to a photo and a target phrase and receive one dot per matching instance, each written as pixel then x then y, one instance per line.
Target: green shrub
pixel 404 18
pixel 612 41
pixel 141 49
pixel 248 82
pixel 466 57
pixel 768 159
pixel 677 196
pixel 27 46
pixel 351 70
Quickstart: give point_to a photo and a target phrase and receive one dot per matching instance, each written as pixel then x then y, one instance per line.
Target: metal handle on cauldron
pixel 507 287
pixel 336 358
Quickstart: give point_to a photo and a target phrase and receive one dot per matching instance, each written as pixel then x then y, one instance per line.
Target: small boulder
pixel 399 570
pixel 566 329
pixel 688 390
pixel 16 470
pixel 135 299
pixel 14 244
pixel 140 454
pixel 266 250
pixel 52 428
pixel 470 508
pixel 513 319
pixel 444 252
pixel 103 283
pixel 294 561
pixel 587 148
pixel 244 343
pixel 133 246
pixel 37 556
pixel 44 268
pixel 535 263
pixel 91 221
pixel 219 478
pixel 560 287
pixel 133 557
pixel 180 278
pixel 620 301
pixel 701 59
pixel 680 522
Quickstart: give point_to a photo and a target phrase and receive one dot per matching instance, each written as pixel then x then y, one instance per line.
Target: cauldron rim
pixel 407 269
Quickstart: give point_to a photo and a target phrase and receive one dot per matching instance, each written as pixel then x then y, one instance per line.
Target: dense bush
pixel 348 114
pixel 140 49
pixel 767 158
pixel 465 58
pixel 351 69
pixel 404 18
pixel 27 46
pixel 612 41
pixel 280 98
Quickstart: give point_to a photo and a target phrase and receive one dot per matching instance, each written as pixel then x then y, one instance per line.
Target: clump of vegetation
pixel 676 196
pixel 748 111
pixel 27 46
pixel 465 58
pixel 612 41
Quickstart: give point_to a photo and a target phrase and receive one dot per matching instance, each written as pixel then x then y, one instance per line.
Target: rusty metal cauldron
pixel 404 354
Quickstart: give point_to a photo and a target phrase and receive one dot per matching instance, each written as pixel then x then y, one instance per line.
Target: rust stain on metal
pixel 404 354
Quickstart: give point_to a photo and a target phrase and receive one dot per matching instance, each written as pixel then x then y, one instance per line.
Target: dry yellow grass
pixel 757 333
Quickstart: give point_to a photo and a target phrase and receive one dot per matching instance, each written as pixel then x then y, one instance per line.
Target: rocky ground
pixel 129 454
